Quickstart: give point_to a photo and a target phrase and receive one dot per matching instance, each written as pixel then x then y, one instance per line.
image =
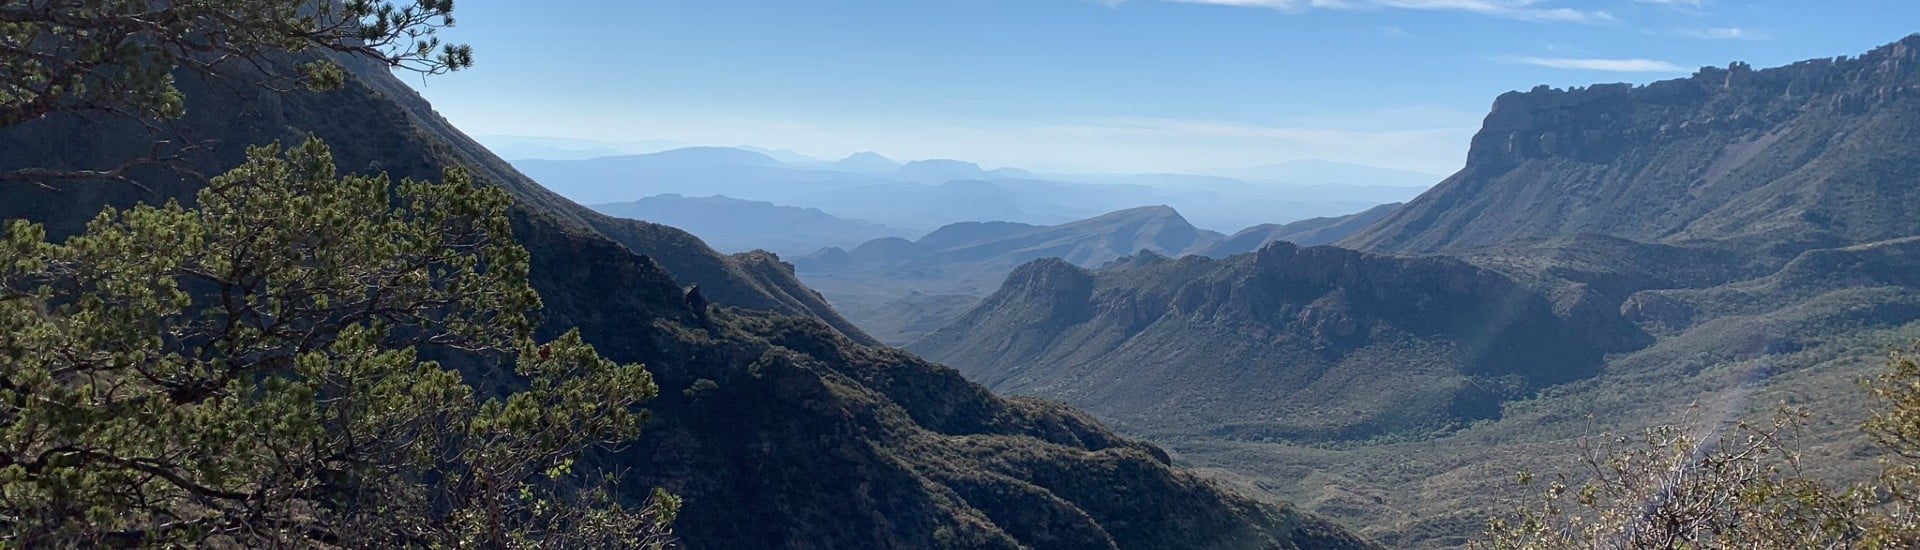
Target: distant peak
pixel 867 161
pixel 788 156
pixel 828 251
pixel 1012 173
pixel 938 170
pixel 1154 211
pixel 718 155
pixel 866 156
pixel 943 164
pixel 1047 273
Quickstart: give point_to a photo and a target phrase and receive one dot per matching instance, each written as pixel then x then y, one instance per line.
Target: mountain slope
pixel 1817 153
pixel 936 171
pixel 926 206
pixel 866 161
pixel 1291 343
pixel 880 282
pixel 1088 242
pixel 804 433
pixel 741 225
pixel 1309 232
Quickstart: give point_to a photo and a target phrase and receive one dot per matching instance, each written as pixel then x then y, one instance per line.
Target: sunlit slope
pixel 1819 153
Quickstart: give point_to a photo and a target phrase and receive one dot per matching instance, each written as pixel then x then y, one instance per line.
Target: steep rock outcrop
pixel 1815 154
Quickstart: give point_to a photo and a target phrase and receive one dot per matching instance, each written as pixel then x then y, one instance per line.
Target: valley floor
pixel 1438 493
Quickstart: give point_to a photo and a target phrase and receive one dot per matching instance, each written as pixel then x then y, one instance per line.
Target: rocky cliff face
pixel 803 437
pixel 1801 156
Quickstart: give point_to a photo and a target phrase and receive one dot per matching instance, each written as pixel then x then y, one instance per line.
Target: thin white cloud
pixel 1724 33
pixel 1607 65
pixel 1691 7
pixel 1524 10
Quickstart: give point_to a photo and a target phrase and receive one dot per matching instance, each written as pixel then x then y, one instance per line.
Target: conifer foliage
pixel 250 370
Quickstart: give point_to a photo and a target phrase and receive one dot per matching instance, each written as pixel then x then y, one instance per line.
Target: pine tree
pixel 250 371
pixel 118 58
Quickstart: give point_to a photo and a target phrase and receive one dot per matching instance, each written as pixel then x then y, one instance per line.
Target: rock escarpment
pixel 1814 154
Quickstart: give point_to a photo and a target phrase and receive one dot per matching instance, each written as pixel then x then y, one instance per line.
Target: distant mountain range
pixel 866 162
pixel 923 195
pixel 1297 172
pixel 1610 257
pixel 735 225
pixel 938 276
pixel 945 170
pixel 899 289
pixel 1310 232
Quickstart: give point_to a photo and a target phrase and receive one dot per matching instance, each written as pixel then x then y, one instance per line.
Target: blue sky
pixel 1123 86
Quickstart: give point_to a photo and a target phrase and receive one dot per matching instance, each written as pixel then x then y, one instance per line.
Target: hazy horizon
pixel 1141 86
pixel 528 147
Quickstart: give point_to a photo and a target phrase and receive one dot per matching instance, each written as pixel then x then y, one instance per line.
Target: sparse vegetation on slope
pixel 1744 488
pixel 1288 343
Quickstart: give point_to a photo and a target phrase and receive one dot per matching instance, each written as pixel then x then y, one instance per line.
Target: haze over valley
pixel 919 196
